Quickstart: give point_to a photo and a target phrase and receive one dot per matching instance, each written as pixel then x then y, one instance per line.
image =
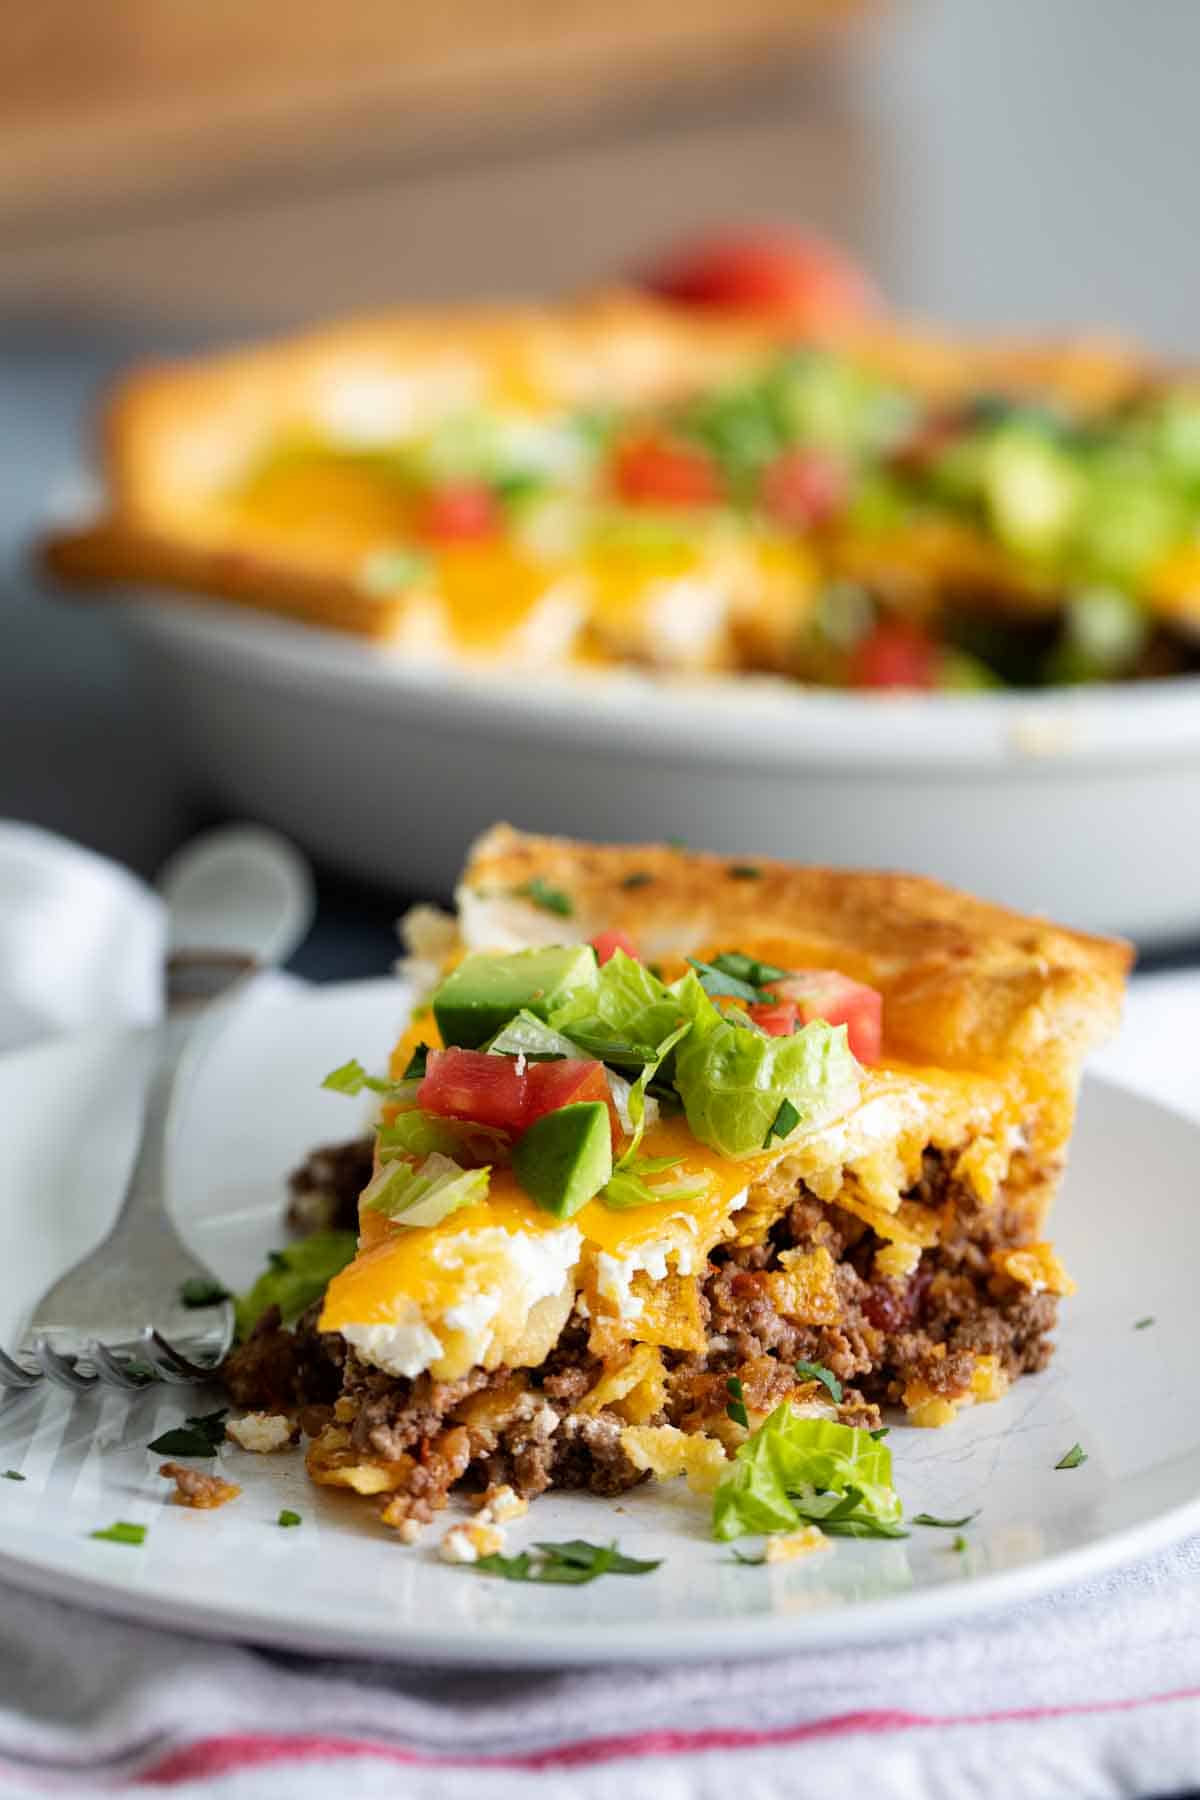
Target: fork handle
pixel 133 1279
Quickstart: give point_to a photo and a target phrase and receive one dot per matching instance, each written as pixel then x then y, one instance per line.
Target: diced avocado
pixel 565 1157
pixel 484 992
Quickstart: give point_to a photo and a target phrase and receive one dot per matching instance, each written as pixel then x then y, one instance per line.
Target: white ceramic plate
pixel 1128 1226
pixel 1066 802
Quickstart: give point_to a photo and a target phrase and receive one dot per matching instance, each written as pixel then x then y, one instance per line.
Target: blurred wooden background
pixel 238 161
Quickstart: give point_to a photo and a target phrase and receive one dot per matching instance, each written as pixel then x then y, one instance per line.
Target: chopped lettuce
pixel 426 1194
pixel 794 1470
pixel 733 1081
pixel 418 1133
pixel 629 1013
pixel 296 1277
pixel 629 1187
pixel 527 1035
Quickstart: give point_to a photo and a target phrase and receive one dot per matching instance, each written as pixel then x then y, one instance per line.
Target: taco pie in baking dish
pixel 625 482
pixel 675 1147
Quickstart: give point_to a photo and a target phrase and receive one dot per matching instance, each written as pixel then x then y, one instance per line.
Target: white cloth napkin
pixel 81 940
pixel 1094 1693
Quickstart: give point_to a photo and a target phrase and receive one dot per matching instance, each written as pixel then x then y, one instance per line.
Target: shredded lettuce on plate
pixel 295 1278
pixel 795 1470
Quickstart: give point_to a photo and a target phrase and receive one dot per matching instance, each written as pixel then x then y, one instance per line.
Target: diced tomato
pixel 778 1020
pixel 493 1090
pixel 805 488
pixel 460 512
pixel 470 1084
pixel 894 655
pixel 607 943
pixel 800 279
pixel 827 994
pixel 550 1085
pixel 652 471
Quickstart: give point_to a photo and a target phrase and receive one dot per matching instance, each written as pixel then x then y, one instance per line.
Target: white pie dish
pixel 1074 803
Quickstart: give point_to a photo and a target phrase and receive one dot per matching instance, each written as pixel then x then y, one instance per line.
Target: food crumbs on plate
pixel 960 1542
pixel 500 1503
pixel 468 1541
pixel 1144 1324
pixel 1072 1458
pixel 13 1475
pixel 122 1533
pixel 263 1432
pixel 791 1545
pixel 196 1489
pixel 288 1517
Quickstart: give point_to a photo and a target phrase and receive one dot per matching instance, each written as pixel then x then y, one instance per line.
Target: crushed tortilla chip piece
pixel 196 1488
pixel 1036 1267
pixel 789 1546
pixel 667 1452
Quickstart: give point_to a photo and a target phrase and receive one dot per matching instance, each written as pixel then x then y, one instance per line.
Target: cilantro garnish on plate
pixel 122 1532
pixel 202 1290
pixel 288 1517
pixel 569 1564
pixel 1072 1458
pixel 13 1475
pixel 811 1371
pixel 199 1435
pixel 736 1409
pixel 944 1524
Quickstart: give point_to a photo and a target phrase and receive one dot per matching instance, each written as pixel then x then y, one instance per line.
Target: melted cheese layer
pixel 495 1282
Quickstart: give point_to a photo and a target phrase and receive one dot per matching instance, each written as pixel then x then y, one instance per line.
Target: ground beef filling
pixel 323 1192
pixel 522 1427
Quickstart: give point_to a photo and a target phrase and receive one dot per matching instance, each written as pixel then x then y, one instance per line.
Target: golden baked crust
pixel 964 981
pixel 177 438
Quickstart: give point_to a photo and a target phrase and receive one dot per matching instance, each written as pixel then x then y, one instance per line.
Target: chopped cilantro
pixel 13 1475
pixel 945 1524
pixel 736 1409
pixel 122 1533
pixel 846 1515
pixel 1144 1324
pixel 416 1065
pixel 639 878
pixel 288 1517
pixel 717 981
pixel 745 871
pixel 202 1290
pixel 748 968
pixel 880 1431
pixel 811 1371
pixel 751 1562
pixel 197 1436
pixel 550 899
pixel 569 1564
pixel 1072 1458
pixel 960 1542
pixel 785 1121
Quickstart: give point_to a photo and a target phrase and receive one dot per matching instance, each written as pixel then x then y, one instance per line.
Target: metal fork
pixel 118 1317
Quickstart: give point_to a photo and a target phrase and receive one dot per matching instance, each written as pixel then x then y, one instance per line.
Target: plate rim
pixel 907 1616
